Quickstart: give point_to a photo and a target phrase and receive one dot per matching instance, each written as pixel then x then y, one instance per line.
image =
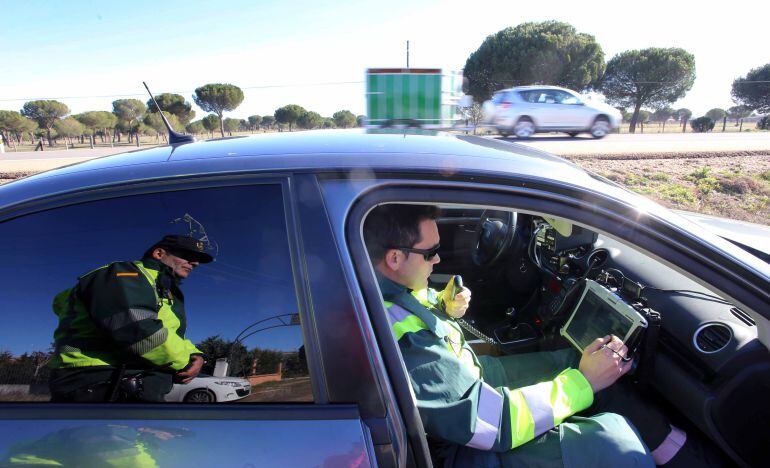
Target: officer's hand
pixel 191 371
pixel 602 363
pixel 458 305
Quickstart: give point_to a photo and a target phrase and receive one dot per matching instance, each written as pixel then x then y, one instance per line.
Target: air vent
pixel 597 258
pixel 712 337
pixel 743 316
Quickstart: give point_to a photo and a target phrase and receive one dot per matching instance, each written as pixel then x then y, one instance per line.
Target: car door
pixel 568 111
pixel 533 104
pixel 251 306
pixel 349 204
pixel 551 112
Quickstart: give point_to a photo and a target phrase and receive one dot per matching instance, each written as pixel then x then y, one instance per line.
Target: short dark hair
pixel 395 225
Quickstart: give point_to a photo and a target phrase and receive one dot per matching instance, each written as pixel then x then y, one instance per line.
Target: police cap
pixel 189 248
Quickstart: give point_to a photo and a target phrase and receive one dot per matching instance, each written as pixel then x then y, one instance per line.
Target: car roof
pixel 314 151
pixel 360 152
pixel 527 87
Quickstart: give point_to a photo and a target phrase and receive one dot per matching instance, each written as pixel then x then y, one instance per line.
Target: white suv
pixel 525 110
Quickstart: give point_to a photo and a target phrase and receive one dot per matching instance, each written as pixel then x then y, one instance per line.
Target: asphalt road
pixel 36 161
pixel 31 161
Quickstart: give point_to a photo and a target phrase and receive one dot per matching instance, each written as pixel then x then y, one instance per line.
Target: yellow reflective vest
pixel 123 313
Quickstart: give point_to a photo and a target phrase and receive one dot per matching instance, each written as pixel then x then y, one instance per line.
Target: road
pixel 37 161
pixel 30 161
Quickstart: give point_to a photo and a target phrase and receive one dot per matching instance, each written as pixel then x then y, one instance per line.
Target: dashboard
pixel 706 362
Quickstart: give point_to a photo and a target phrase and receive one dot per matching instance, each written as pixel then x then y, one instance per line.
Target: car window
pixel 550 97
pixel 241 309
pixel 563 97
pixel 530 96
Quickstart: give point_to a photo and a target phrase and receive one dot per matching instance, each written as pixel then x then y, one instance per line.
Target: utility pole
pixel 407 54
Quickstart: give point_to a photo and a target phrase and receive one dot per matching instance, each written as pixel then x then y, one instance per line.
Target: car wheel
pixel 524 128
pixel 600 127
pixel 573 134
pixel 199 396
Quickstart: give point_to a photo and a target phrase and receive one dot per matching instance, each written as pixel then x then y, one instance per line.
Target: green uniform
pixel 469 404
pixel 125 313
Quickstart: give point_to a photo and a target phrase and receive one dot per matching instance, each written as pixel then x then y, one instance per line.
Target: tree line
pixel 244 362
pixel 31 368
pixel 554 53
pixel 52 119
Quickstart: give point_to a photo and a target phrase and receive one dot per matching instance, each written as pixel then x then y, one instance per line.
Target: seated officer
pixel 487 411
pixel 121 333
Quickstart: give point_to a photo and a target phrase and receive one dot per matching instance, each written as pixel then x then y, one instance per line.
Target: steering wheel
pixel 494 235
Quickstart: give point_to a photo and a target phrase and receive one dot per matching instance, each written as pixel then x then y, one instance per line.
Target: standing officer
pixel 121 333
pixel 473 406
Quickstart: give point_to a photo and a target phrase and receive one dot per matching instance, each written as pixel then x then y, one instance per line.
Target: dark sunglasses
pixel 427 254
pixel 190 257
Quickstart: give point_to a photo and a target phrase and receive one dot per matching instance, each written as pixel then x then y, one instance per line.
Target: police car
pixel 284 212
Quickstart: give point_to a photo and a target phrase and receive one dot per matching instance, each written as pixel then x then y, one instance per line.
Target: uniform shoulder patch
pixel 126 273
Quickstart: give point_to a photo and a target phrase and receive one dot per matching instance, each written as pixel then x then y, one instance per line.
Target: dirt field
pixel 296 389
pixel 731 185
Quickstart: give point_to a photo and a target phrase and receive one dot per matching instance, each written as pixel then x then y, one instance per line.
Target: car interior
pixel 541 283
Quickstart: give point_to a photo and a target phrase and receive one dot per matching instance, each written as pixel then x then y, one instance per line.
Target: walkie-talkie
pixel 454 287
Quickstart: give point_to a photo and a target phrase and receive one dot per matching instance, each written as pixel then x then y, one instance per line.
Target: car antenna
pixel 174 138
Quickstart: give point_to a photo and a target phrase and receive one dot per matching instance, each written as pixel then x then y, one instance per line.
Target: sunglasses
pixel 427 254
pixel 183 255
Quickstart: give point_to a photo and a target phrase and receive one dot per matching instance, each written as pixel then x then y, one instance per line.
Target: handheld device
pixel 599 312
pixel 455 285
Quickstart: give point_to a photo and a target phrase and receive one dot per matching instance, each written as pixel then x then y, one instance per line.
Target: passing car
pixel 286 210
pixel 525 110
pixel 209 389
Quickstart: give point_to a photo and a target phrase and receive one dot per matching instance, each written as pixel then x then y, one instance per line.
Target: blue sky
pixel 82 48
pixel 250 280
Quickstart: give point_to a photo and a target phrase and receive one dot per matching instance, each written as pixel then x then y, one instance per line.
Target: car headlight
pixel 231 384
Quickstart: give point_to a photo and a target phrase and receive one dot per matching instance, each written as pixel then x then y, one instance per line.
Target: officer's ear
pixel 158 253
pixel 393 259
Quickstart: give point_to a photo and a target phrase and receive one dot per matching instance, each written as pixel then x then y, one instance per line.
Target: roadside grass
pixel 675 127
pixel 730 192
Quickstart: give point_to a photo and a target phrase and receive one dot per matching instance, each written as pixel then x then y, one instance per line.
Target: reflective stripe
pixel 120 320
pixel 31 460
pixel 670 446
pixel 540 408
pixel 151 342
pixel 396 314
pixel 488 414
pixel 410 323
pixel 151 276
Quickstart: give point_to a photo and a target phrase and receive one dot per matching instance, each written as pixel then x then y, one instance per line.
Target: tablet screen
pixel 595 318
